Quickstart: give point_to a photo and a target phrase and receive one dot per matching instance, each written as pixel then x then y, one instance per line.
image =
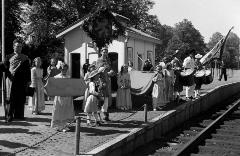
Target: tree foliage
pixel 217 36
pixel 185 37
pixel 12 23
pixel 231 50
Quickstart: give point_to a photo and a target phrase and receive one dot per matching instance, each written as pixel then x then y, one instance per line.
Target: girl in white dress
pixel 63 110
pixel 91 107
pixel 36 103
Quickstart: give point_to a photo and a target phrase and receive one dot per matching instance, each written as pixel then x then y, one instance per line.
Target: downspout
pixel 125 48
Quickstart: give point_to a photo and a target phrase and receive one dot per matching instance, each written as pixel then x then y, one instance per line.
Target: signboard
pixel 65 87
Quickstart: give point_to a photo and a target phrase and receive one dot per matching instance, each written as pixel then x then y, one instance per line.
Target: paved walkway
pixel 19 135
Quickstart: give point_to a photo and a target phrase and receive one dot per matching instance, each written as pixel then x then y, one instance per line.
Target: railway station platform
pixel 165 122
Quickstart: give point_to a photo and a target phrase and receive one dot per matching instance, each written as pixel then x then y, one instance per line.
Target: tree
pixel 12 23
pixel 232 48
pixel 214 40
pixel 186 37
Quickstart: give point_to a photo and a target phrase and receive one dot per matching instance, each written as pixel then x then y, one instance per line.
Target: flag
pixel 216 52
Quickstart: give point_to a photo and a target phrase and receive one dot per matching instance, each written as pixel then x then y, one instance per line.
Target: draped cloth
pixel 15 62
pixel 141 82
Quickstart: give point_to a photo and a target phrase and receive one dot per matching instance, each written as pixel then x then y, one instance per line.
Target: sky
pixel 207 16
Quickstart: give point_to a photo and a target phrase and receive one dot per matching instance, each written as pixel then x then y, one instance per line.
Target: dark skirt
pixel 198 82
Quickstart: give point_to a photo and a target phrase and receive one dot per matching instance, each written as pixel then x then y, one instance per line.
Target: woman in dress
pixel 63 110
pixel 169 76
pixel 36 103
pixel 158 95
pixel 124 100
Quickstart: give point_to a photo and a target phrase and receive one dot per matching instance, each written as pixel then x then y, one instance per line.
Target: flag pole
pixel 3 51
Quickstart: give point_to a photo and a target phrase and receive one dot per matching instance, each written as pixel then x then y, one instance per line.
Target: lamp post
pixel 3 52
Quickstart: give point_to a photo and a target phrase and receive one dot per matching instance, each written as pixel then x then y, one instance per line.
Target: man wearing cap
pixel 189 63
pixel 177 67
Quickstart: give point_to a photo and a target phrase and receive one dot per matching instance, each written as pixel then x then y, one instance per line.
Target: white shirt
pixel 189 63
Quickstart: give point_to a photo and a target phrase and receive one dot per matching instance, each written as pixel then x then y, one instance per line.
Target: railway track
pixel 213 133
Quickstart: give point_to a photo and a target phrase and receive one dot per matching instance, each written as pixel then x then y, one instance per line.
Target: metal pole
pixel 145 112
pixel 77 135
pixel 3 52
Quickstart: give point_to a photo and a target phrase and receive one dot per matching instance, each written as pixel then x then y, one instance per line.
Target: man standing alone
pixel 17 68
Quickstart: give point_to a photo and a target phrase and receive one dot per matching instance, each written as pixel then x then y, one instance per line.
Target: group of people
pixel 173 74
pixel 168 81
pixel 97 99
pixel 20 76
pixel 98 95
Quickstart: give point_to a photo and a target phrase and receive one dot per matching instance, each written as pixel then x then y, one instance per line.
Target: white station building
pixel 135 46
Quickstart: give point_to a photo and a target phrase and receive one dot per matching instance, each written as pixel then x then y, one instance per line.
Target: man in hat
pixel 103 58
pixel 177 67
pixel 106 90
pixel 198 80
pixel 103 66
pixel 189 64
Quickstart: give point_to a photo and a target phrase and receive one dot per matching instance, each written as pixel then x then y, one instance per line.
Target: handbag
pixel 30 91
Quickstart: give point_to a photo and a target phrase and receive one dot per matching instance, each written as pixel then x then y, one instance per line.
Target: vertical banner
pixel 216 52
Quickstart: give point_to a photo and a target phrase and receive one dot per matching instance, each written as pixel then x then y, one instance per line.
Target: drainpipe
pixel 125 48
pixel 3 52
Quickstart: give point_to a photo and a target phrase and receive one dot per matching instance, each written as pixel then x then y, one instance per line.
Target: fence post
pixel 145 112
pixel 77 134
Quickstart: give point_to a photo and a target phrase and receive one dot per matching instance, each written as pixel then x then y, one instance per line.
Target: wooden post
pixel 77 135
pixel 3 52
pixel 145 112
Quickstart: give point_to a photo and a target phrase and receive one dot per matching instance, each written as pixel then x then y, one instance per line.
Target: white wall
pixel 76 42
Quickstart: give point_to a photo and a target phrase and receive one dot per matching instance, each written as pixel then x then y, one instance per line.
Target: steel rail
pixel 205 132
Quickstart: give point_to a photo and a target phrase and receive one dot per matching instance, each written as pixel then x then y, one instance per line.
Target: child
pixel 86 79
pixel 158 95
pixel 37 103
pixel 52 71
pixel 91 107
pixel 63 110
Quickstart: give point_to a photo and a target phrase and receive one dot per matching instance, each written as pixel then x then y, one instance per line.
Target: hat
pixel 93 73
pixel 92 66
pixel 104 48
pixel 198 56
pixel 101 69
pixel 177 51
